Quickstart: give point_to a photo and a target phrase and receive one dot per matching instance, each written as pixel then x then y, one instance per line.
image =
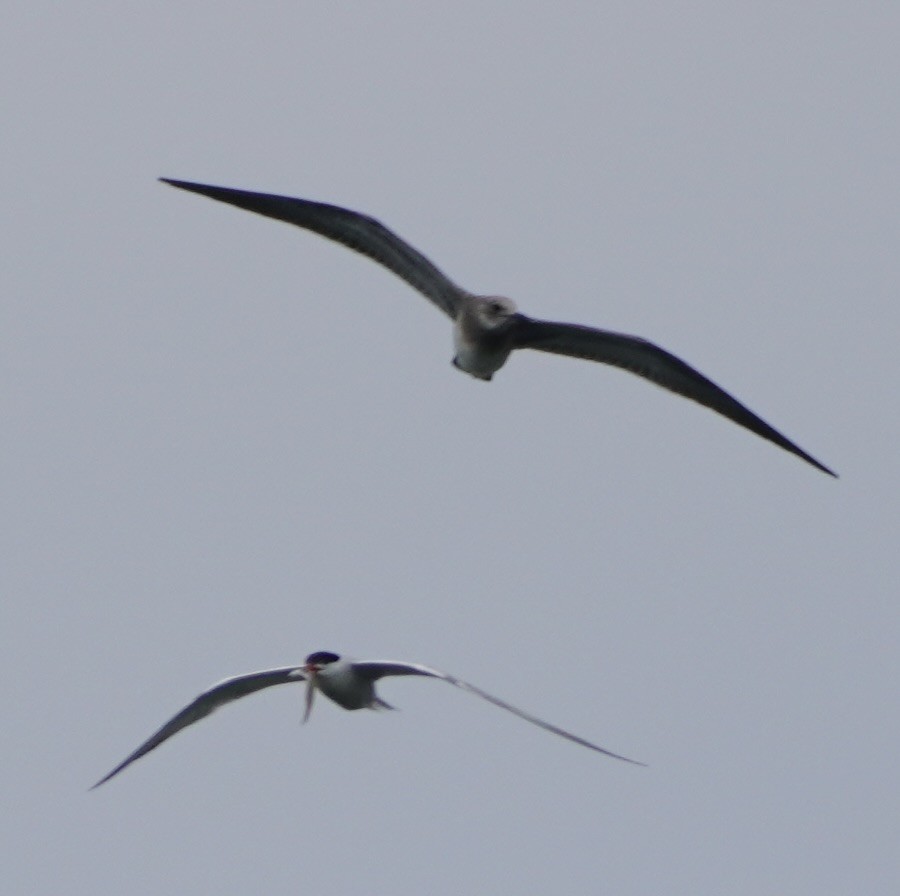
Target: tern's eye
pixel 322 658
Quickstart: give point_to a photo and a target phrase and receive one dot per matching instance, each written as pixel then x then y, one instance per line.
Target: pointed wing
pixel 358 232
pixel 653 363
pixel 378 669
pixel 209 701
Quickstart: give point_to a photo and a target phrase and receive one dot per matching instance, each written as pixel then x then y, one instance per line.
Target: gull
pixel 349 683
pixel 486 329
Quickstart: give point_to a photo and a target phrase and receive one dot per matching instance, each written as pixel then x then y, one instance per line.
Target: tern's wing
pixel 209 701
pixel 376 670
pixel 651 362
pixel 358 232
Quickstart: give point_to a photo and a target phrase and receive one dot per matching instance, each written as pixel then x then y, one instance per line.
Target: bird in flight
pixel 349 683
pixel 486 329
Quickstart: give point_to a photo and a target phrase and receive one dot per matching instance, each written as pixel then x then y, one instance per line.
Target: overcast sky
pixel 228 443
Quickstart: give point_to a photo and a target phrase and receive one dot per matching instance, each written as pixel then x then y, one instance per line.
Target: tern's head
pixel 317 661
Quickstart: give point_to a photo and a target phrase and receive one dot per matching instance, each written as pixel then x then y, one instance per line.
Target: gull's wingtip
pixel 820 466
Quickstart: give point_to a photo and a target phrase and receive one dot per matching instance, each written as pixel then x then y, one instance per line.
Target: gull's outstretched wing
pixel 356 231
pixel 209 701
pixel 379 669
pixel 651 362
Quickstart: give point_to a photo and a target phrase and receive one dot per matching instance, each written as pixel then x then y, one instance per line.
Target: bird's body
pixel 341 683
pixel 487 329
pixel 483 334
pixel 348 683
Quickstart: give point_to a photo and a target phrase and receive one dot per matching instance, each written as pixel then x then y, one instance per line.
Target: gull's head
pixel 494 311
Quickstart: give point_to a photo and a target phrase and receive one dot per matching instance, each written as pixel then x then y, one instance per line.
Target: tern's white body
pixel 340 682
pixel 486 329
pixel 349 683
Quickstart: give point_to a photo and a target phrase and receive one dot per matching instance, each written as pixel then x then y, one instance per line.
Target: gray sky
pixel 228 443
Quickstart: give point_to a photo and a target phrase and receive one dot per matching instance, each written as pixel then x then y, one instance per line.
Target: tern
pixel 349 683
pixel 486 329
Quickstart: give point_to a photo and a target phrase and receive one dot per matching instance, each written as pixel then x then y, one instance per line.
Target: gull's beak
pixel 310 691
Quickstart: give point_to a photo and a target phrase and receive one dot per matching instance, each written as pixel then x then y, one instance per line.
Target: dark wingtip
pixel 113 773
pixel 189 185
pixel 819 466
